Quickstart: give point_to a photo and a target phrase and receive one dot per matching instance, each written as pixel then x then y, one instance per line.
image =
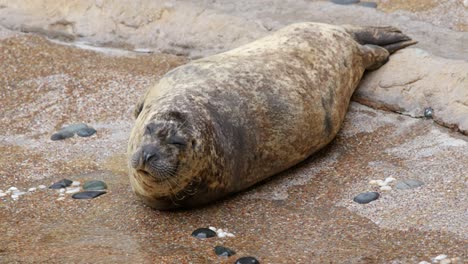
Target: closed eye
pixel 177 140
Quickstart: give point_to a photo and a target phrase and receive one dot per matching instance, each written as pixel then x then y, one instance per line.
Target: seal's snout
pixel 149 152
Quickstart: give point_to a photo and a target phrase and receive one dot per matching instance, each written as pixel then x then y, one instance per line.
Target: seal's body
pixel 218 125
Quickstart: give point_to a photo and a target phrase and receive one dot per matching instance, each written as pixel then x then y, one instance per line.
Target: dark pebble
pixel 428 112
pixel 61 184
pixel 88 194
pixel 247 260
pixel 408 184
pixel 62 134
pixel 345 2
pixel 86 132
pixel 203 233
pixel 366 197
pixel 94 186
pixel 368 4
pixel 223 251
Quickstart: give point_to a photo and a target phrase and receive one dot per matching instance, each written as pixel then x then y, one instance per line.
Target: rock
pixel 72 190
pixel 368 4
pixel 413 79
pixel 386 188
pixel 367 197
pixel 32 189
pixel 86 132
pixel 81 130
pixel 345 2
pixel 75 184
pixel 247 260
pixel 88 194
pixel 389 180
pixel 94 185
pixel 61 184
pixel 408 184
pixel 61 135
pixel 428 112
pixel 223 251
pixel 440 257
pixel 203 233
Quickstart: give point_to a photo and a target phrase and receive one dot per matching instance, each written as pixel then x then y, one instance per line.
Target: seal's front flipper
pixel 390 38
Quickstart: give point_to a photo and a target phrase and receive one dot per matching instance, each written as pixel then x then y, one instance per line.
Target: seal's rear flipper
pixel 390 38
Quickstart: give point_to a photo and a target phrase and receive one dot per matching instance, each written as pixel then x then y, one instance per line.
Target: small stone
pixel 212 228
pixel 440 257
pixel 41 186
pixel 368 4
pixel 247 260
pixel 87 194
pixel 389 180
pixel 203 233
pixel 61 184
pixel 381 183
pixel 345 2
pixel 408 184
pixel 61 135
pixel 428 112
pixel 12 189
pixel 386 188
pixel 223 251
pixel 86 132
pixel 221 235
pixel 94 185
pixel 72 190
pixel 366 197
pixel 76 183
pixel 3 194
pixel 32 189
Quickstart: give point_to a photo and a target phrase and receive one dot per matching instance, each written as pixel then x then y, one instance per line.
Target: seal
pixel 220 124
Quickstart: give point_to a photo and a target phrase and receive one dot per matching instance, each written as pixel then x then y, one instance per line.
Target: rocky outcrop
pixel 413 81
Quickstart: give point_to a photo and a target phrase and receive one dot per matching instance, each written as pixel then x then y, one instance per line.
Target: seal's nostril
pixel 148 152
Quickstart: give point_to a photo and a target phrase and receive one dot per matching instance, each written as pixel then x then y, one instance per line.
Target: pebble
pixel 94 185
pixel 345 2
pixel 87 194
pixel 409 184
pixel 386 188
pixel 366 197
pixel 86 132
pixel 76 183
pixel 203 233
pixel 32 189
pixel 81 130
pixel 440 257
pixel 72 190
pixel 62 190
pixel 41 186
pixel 368 4
pixel 212 228
pixel 61 184
pixel 389 180
pixel 3 194
pixel 12 189
pixel 247 260
pixel 428 112
pixel 223 251
pixel 61 135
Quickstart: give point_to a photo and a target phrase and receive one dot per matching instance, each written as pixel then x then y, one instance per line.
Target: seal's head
pixel 164 160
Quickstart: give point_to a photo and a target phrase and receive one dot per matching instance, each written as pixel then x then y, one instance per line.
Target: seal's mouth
pixel 149 162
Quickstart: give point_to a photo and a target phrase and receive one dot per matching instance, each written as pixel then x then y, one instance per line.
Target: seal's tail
pixel 389 38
